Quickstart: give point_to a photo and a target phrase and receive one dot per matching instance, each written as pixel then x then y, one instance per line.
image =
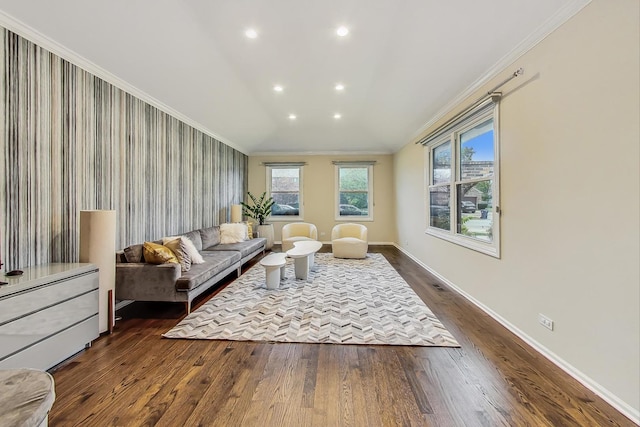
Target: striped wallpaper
pixel 71 142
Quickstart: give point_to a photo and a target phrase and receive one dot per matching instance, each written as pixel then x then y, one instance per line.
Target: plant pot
pixel 266 231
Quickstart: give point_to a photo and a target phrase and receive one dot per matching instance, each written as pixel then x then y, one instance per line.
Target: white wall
pixel 320 195
pixel 570 197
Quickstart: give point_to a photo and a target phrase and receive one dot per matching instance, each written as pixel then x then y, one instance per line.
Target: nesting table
pixel 303 255
pixel 274 267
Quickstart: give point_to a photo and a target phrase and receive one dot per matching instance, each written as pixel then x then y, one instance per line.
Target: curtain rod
pixel 490 93
pixel 284 163
pixel 354 162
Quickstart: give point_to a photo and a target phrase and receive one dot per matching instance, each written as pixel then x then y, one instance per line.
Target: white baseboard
pixel 329 242
pixel 623 407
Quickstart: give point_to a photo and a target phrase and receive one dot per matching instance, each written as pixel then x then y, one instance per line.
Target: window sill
pixel 354 218
pixel 467 242
pixel 285 218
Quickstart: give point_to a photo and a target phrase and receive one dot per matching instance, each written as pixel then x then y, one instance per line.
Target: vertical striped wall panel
pixel 71 141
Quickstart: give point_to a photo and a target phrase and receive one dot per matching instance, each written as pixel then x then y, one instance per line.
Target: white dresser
pixel 47 314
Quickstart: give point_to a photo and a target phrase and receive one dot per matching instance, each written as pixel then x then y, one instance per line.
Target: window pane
pixel 476 151
pixel 440 214
pixel 354 191
pixel 354 204
pixel 285 190
pixel 354 179
pixel 441 163
pixel 475 216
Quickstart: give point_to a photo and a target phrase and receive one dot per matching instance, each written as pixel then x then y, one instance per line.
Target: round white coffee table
pixel 303 253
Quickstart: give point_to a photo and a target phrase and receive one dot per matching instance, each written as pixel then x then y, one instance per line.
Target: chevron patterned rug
pixel 344 301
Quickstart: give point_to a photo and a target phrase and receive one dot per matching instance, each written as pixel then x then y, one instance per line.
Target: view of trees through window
pixel 474 186
pixel 461 181
pixel 353 190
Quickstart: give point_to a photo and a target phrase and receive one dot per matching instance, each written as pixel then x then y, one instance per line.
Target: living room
pixel 569 196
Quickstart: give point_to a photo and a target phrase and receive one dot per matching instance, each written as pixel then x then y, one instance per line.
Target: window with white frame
pixel 354 191
pixel 462 200
pixel 284 183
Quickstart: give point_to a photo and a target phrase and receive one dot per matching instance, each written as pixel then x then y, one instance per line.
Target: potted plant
pixel 260 209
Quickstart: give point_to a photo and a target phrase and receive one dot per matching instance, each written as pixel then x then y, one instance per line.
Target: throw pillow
pixel 179 248
pixel 133 253
pixel 195 256
pixel 158 254
pixel 249 230
pixel 233 233
pixel 195 238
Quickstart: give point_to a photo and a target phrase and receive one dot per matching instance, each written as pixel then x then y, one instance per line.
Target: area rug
pixel 343 301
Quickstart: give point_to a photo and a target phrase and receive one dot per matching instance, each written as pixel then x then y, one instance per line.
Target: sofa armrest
pixel 146 282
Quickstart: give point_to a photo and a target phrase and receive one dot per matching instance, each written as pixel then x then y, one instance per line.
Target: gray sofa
pixel 140 281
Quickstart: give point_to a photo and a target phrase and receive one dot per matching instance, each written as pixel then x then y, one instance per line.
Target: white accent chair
pixel 297 232
pixel 349 240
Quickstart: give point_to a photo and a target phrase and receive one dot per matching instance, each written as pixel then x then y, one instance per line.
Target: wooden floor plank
pixel 136 378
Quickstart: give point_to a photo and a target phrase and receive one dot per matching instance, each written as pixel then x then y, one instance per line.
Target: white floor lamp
pixel 98 246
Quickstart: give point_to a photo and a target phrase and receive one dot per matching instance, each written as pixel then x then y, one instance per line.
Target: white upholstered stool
pixel 274 269
pixel 26 397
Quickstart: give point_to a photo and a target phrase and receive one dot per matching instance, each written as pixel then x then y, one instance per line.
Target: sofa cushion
pixel 194 236
pixel 214 263
pixel 245 248
pixel 210 236
pixel 158 254
pixel 133 253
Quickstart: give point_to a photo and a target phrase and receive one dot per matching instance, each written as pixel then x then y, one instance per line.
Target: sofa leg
pixel 239 271
pixel 188 306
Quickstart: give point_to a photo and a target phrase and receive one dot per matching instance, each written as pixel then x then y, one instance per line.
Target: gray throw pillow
pixel 133 253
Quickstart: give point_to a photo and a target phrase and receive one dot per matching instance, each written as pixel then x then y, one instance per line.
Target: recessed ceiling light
pixel 339 87
pixel 337 116
pixel 278 88
pixel 292 116
pixel 342 31
pixel 251 33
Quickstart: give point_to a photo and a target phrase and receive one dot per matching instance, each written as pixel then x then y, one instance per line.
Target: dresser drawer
pixel 32 300
pixel 38 326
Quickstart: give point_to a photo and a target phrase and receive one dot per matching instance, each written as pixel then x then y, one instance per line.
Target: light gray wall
pixel 570 197
pixel 72 142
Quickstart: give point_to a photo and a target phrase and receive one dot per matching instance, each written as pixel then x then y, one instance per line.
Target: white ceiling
pixel 402 62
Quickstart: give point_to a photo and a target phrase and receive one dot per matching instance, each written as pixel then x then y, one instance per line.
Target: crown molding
pixel 14 25
pixel 550 25
pixel 318 153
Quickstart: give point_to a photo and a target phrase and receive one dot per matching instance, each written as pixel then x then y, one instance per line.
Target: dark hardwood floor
pixel 136 378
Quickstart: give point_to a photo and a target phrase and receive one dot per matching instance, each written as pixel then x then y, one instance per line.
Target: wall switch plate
pixel 545 321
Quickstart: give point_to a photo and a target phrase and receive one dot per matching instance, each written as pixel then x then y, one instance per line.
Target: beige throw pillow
pixel 233 233
pixel 195 256
pixel 179 248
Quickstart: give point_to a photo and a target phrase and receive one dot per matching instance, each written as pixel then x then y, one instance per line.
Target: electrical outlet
pixel 545 321
pixel 322 233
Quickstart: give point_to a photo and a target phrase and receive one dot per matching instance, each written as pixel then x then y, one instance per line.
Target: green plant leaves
pixel 260 208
